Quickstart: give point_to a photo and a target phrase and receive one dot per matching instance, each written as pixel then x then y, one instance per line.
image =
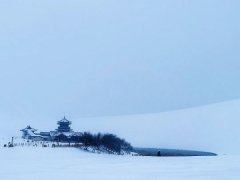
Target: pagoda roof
pixel 64 120
pixel 28 128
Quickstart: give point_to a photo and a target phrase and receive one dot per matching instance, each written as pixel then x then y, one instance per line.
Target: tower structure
pixel 64 125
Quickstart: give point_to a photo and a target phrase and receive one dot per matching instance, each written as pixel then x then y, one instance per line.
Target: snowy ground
pixel 212 128
pixel 27 163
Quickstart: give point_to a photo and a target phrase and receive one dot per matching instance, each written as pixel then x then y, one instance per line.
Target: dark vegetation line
pixel 102 142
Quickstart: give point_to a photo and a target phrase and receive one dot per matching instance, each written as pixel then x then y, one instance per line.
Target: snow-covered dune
pixel 213 128
pixel 210 128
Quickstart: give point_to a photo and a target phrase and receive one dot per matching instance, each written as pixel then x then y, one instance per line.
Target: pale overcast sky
pixel 96 58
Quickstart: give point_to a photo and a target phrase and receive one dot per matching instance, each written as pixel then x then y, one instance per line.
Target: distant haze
pixel 97 58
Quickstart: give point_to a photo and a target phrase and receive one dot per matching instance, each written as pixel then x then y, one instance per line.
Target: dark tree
pixel 87 139
pixel 109 142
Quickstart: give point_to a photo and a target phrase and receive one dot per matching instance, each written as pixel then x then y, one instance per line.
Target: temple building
pixel 64 125
pixel 63 133
pixel 29 132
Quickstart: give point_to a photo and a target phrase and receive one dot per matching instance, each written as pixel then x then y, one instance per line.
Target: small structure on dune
pixel 63 133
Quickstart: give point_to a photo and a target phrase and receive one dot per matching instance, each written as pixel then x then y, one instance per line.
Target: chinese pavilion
pixel 63 130
pixel 64 125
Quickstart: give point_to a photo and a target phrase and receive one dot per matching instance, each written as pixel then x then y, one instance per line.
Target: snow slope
pixel 212 128
pixel 27 163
